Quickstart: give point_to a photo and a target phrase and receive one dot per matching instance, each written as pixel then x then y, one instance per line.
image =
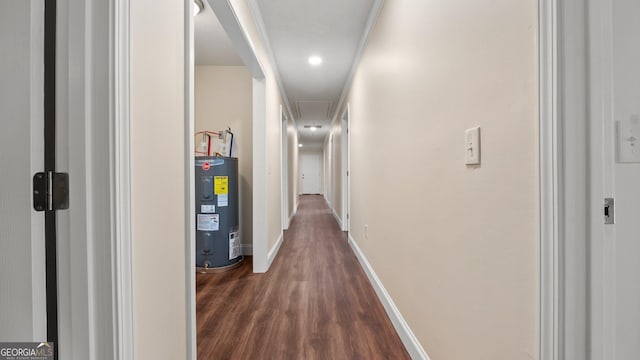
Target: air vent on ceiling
pixel 316 110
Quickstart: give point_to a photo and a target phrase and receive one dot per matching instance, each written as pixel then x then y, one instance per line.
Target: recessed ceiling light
pixel 299 145
pixel 315 60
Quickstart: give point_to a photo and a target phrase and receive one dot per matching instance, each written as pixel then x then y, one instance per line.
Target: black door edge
pixel 50 166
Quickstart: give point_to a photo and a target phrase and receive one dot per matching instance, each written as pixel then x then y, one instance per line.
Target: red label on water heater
pixel 205 166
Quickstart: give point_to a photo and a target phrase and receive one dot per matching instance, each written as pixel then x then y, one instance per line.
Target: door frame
pixel 94 273
pixel 549 201
pixel 326 164
pixel 345 172
pixel 564 180
pixel 232 25
pixel 102 321
pixel 553 170
pixel 550 179
pixel 284 158
pixel 602 164
pixel 325 181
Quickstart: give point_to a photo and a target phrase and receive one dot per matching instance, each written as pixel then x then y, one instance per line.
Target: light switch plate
pixel 628 139
pixel 472 146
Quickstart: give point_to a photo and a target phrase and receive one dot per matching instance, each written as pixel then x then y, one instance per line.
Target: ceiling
pixel 296 30
pixel 212 45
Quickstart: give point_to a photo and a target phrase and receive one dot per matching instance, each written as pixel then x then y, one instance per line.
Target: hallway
pixel 314 303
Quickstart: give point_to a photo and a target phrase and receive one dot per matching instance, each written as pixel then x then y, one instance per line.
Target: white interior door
pixel 615 143
pixel 22 247
pixel 310 164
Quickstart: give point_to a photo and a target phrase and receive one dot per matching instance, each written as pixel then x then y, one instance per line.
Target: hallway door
pixel 22 229
pixel 310 165
pixel 615 174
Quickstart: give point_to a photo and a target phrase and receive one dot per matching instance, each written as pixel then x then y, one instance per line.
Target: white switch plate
pixel 628 140
pixel 472 146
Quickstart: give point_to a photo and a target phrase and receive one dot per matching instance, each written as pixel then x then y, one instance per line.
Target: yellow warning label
pixel 221 185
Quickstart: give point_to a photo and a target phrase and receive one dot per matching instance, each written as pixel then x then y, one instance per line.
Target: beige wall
pixel 158 188
pixel 464 239
pixel 223 98
pixel 273 125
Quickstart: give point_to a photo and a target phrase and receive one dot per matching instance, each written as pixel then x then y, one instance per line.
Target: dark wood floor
pixel 314 303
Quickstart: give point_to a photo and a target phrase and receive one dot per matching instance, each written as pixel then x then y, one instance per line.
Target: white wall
pixel 158 173
pixel 455 246
pixel 223 98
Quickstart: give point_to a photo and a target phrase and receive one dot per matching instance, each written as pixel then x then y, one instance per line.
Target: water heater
pixel 217 220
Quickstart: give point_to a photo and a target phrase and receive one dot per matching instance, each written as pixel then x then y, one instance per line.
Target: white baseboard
pixel 246 249
pixel 402 328
pixel 335 214
pixel 274 251
pixel 295 211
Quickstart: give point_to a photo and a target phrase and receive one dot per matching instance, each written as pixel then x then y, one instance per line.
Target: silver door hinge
pixel 609 211
pixel 50 191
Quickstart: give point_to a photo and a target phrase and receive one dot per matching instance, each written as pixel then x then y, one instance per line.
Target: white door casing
pixel 344 176
pixel 92 237
pixel 284 156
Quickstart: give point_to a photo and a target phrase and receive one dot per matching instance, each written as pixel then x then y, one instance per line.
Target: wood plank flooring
pixel 314 303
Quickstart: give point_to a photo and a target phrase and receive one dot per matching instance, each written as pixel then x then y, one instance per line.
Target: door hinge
pixel 50 191
pixel 609 211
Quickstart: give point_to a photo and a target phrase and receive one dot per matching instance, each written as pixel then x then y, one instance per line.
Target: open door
pixel 28 288
pixel 615 178
pixel 22 228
